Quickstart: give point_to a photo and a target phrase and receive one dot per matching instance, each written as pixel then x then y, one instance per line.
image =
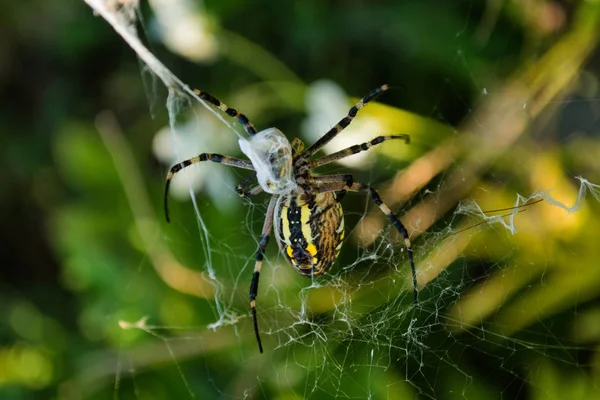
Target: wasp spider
pixel 304 209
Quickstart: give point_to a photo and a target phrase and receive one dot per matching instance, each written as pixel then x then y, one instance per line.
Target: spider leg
pixel 398 225
pixel 344 122
pixel 248 127
pixel 264 240
pixel 329 183
pixel 253 191
pixel 218 158
pixel 345 183
pixel 338 155
pixel 334 183
pixel 348 182
pixel 240 188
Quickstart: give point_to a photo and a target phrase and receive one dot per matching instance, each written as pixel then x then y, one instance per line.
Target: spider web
pixel 355 332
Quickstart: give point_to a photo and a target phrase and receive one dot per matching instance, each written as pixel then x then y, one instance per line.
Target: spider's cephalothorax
pixel 304 207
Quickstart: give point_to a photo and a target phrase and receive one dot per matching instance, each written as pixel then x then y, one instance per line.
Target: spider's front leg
pixel 262 245
pixel 233 113
pixel 358 148
pixel 344 122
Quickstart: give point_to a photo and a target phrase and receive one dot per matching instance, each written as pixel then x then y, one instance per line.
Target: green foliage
pixel 100 297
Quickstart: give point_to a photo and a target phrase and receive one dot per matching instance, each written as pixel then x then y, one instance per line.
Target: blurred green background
pixel 101 298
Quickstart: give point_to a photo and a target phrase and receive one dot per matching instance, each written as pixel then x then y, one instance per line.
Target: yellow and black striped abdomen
pixel 310 231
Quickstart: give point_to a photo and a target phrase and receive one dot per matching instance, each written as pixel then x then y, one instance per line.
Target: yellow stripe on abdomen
pixel 304 220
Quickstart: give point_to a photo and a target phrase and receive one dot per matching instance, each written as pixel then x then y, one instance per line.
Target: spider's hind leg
pixel 400 227
pixel 343 184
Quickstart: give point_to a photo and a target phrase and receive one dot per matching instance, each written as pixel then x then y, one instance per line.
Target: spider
pixel 305 208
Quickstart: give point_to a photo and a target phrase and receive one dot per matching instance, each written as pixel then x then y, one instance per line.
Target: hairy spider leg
pixel 260 253
pixel 232 112
pixel 344 122
pixel 345 183
pixel 218 158
pixel 358 148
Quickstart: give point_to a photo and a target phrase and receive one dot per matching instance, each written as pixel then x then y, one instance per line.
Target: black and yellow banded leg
pixel 260 254
pixel 344 122
pixel 338 155
pixel 398 225
pixel 232 112
pixel 218 158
